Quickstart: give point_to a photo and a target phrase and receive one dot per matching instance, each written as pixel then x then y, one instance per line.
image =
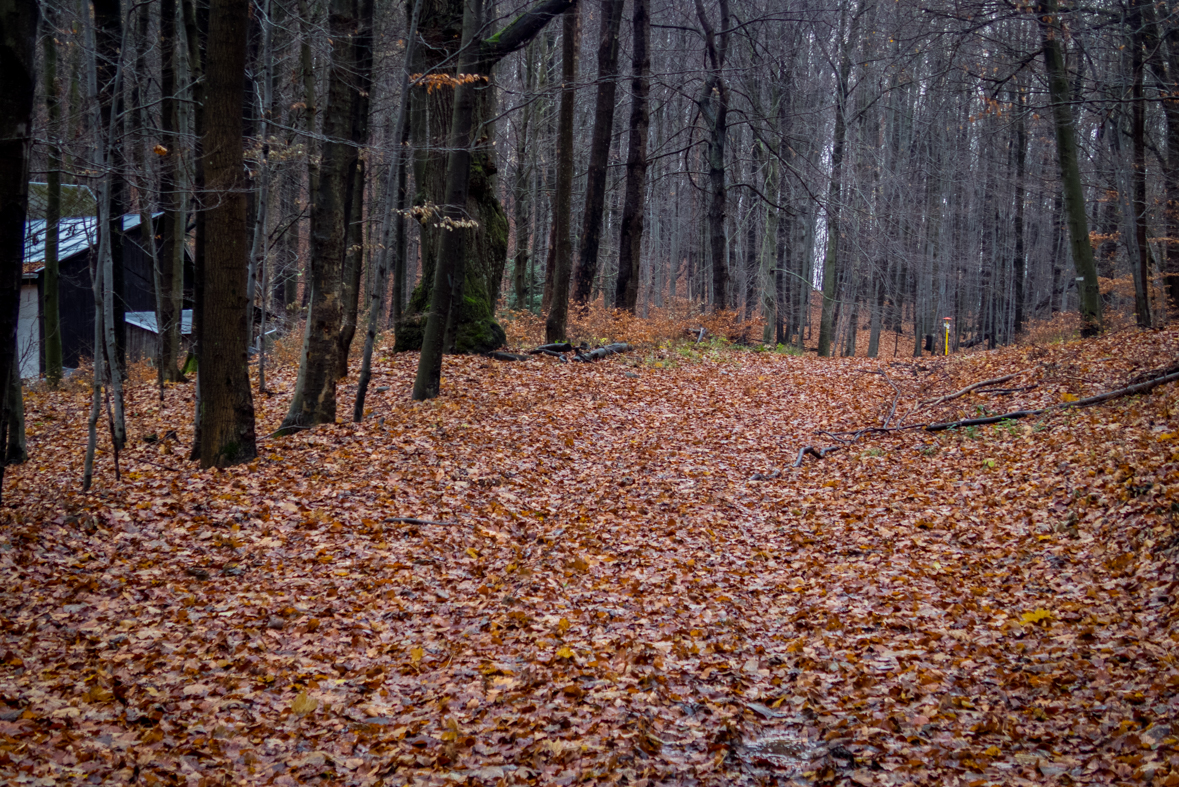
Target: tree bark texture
pixel 362 80
pixel 555 326
pixel 1070 173
pixel 18 44
pixel 171 270
pixel 50 312
pixel 108 20
pixel 485 252
pixel 714 107
pixel 314 401
pixel 599 157
pixel 226 402
pixel 630 241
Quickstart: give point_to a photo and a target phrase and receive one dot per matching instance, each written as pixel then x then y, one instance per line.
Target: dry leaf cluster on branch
pixel 563 573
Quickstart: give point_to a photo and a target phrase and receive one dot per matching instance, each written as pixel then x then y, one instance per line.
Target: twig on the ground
pixel 818 453
pixel 409 520
pixel 892 410
pixel 1005 391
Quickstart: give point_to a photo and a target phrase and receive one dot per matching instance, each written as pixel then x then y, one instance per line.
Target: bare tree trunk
pixel 599 157
pixel 362 80
pixel 50 311
pixel 110 40
pixel 18 46
pixel 227 404
pixel 831 261
pixel 1019 263
pixel 1141 262
pixel 392 230
pixel 714 107
pixel 555 324
pixel 1070 173
pixel 170 270
pixel 314 400
pixel 630 242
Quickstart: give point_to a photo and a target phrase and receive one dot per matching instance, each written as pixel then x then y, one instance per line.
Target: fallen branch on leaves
pixel 1129 390
pixel 973 386
pixel 409 520
pixel 818 453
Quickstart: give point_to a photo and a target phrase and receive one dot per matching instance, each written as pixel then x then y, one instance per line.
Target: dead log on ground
pixel 499 355
pixel 602 352
pixel 550 349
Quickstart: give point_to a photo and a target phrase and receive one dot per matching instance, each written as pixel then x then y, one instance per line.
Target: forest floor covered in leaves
pixel 615 576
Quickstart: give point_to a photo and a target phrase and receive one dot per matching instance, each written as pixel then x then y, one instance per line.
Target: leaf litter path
pixel 607 596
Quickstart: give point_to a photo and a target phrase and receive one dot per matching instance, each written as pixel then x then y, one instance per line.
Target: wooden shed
pixel 77 248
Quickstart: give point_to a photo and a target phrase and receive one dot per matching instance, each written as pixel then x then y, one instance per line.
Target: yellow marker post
pixel 947 324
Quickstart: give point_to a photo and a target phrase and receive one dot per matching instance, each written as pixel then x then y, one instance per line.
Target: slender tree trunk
pixel 599 157
pixel 555 324
pixel 259 244
pixel 108 19
pixel 1019 262
pixel 107 124
pixel 630 241
pixel 362 82
pixel 1138 140
pixel 714 107
pixel 50 312
pixel 393 227
pixel 196 29
pixel 831 260
pixel 1070 172
pixel 227 404
pixel 172 197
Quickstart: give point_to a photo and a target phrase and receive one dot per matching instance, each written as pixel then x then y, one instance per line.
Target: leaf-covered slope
pixel 566 573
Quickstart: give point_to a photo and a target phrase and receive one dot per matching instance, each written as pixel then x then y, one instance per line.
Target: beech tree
pixel 226 402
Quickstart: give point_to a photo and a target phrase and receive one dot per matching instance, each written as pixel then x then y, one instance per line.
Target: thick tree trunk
pixel 473 327
pixel 630 242
pixel 18 44
pixel 555 324
pixel 599 156
pixel 226 403
pixel 448 270
pixel 1070 172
